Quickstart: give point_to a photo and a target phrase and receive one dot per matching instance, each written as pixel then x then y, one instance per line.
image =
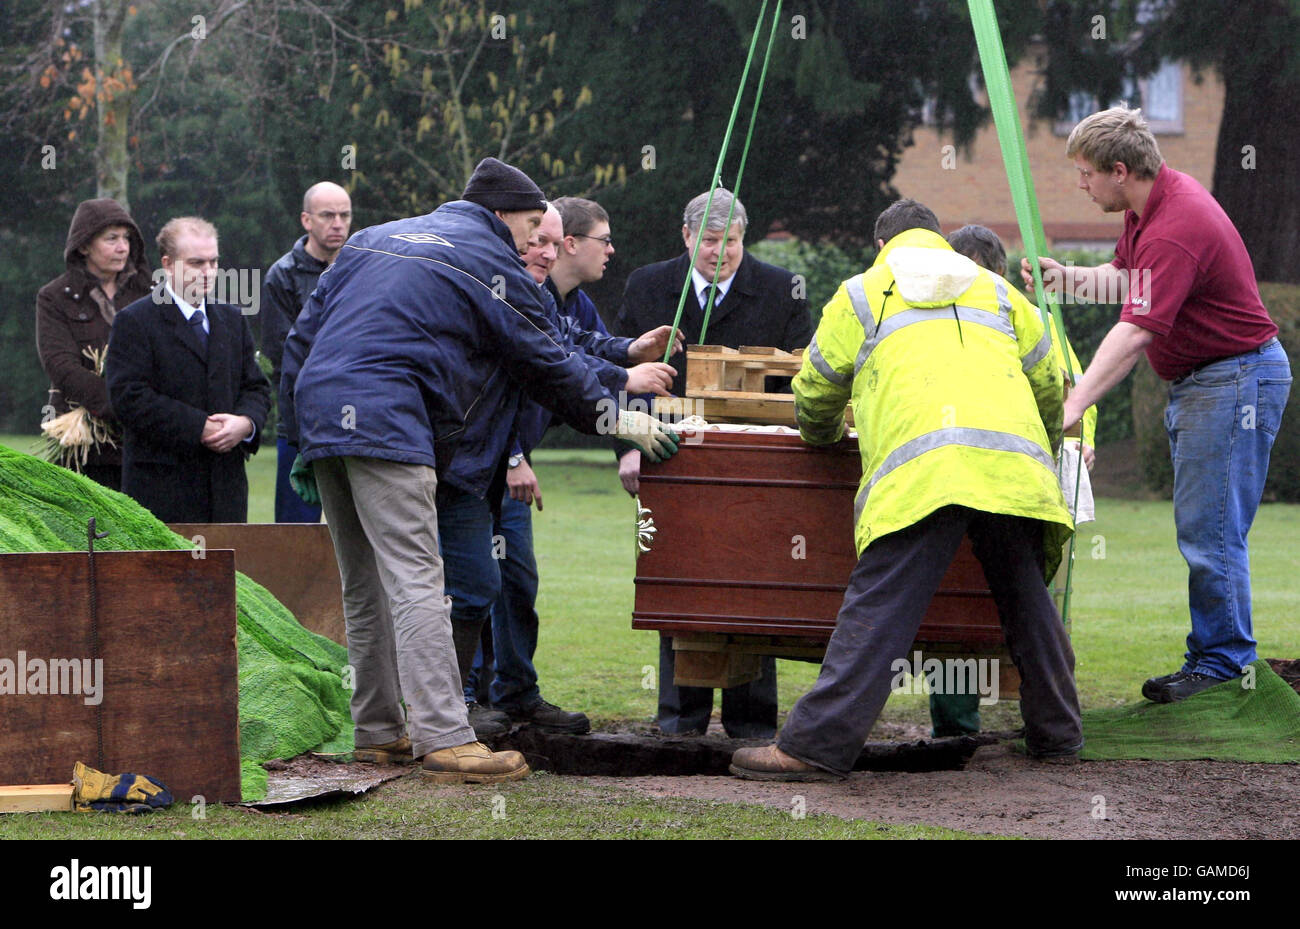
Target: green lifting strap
pixel 1011 137
pixel 717 171
pixel 740 172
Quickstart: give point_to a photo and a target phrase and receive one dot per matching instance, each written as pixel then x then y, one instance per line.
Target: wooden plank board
pixel 753 395
pixel 168 686
pixel 36 798
pixel 755 412
pixel 294 561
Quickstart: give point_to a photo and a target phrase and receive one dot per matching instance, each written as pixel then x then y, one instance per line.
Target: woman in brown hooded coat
pixel 107 269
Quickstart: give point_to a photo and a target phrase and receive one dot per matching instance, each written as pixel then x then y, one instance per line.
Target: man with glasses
pixel 581 258
pixel 327 217
pixel 1191 304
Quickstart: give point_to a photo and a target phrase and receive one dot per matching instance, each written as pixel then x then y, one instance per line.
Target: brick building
pixel 972 187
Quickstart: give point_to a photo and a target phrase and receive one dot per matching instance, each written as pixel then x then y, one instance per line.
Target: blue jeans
pixel 465 539
pixel 289 507
pixel 514 615
pixel 1222 420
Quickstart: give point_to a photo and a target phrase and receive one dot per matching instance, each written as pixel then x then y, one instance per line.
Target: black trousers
pixel 888 594
pixel 748 710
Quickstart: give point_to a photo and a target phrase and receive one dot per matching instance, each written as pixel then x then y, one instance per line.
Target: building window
pixel 1160 95
pixel 928 114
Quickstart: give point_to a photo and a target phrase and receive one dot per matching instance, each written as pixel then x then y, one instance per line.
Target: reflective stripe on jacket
pixel 956 391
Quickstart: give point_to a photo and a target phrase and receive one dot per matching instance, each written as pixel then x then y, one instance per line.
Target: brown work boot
pixel 473 763
pixel 395 752
pixel 769 763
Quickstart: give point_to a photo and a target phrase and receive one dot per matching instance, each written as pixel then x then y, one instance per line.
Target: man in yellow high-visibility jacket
pixel 957 402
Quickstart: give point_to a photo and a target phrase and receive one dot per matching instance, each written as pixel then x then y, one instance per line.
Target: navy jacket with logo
pixel 418 340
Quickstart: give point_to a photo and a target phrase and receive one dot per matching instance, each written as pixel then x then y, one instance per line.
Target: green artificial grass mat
pixel 1232 721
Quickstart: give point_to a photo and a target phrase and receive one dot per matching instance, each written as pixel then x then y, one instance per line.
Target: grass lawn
pixel 1129 618
pixel 540 806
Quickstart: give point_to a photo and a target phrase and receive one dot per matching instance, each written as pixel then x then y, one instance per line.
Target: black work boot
pixel 1189 685
pixel 550 718
pixel 487 724
pixel 1153 688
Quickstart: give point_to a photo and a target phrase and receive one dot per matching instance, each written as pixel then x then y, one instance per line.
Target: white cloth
pixel 1067 469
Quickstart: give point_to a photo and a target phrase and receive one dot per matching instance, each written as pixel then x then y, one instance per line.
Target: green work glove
pixel 304 482
pixel 641 430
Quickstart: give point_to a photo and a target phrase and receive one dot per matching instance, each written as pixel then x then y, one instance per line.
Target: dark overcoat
pixel 764 306
pixel 163 385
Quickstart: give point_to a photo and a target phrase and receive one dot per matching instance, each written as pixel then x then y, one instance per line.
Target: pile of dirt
pixel 1289 671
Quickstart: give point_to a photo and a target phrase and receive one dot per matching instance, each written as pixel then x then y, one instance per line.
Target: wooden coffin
pixel 751 549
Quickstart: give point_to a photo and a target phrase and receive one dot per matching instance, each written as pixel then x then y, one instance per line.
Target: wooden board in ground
pixel 294 561
pixel 168 689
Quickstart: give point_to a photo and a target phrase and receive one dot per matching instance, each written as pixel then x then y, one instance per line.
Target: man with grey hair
pixel 754 303
pixel 1192 305
pixel 326 216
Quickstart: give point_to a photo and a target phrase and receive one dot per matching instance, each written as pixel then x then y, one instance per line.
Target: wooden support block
pixel 752 378
pixel 36 798
pixel 714 669
pixel 703 374
pixel 745 395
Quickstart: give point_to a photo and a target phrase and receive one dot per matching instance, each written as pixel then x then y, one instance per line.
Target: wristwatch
pixel 515 461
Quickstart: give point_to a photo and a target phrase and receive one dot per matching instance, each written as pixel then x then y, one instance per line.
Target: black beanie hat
pixel 498 186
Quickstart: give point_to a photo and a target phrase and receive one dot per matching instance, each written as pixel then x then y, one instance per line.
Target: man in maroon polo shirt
pixel 1191 303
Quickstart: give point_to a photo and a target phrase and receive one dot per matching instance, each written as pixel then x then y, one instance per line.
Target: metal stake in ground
pixel 91 536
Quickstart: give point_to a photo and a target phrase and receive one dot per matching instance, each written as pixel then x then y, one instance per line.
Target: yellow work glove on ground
pixel 116 793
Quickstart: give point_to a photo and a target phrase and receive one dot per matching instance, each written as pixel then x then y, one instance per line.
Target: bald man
pixel 327 217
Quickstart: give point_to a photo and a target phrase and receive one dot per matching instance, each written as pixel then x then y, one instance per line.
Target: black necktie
pixel 197 322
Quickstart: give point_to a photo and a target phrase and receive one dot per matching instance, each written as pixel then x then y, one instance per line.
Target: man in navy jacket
pixel 511 576
pixel 422 331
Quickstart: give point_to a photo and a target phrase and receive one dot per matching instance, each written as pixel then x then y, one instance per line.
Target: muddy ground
pixel 1001 792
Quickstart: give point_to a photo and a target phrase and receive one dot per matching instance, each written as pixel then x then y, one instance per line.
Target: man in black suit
pixel 185 385
pixel 753 304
